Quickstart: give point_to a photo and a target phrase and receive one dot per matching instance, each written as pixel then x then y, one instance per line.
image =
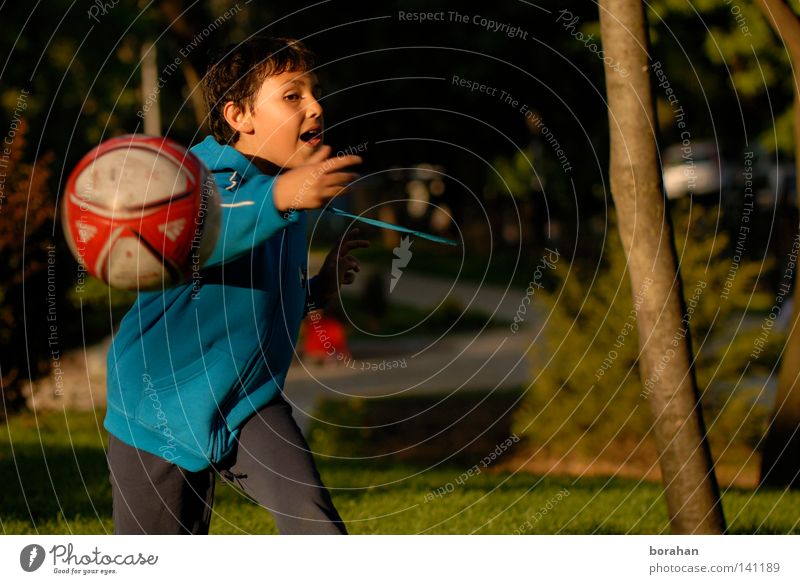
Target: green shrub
pixel 586 393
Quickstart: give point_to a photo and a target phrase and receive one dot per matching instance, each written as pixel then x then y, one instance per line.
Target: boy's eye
pixel 292 97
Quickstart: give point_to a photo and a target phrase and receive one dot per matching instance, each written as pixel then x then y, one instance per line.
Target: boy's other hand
pixel 311 185
pixel 339 267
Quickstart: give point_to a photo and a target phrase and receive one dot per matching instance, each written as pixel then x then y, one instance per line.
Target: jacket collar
pixel 221 157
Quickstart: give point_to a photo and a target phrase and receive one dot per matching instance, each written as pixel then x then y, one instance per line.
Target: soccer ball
pixel 141 213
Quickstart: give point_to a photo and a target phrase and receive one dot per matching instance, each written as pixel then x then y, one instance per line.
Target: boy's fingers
pixel 348 238
pixel 355 244
pixel 349 235
pixel 322 154
pixel 339 178
pixel 347 244
pixel 334 164
pixel 335 191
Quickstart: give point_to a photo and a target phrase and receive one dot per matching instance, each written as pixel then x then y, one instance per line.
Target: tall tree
pixel 665 365
pixel 780 462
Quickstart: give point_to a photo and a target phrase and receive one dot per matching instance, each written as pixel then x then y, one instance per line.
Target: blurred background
pixel 487 124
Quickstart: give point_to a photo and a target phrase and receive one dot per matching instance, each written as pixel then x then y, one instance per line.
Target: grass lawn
pixel 56 481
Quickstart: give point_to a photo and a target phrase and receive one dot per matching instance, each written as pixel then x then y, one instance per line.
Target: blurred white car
pixel 696 169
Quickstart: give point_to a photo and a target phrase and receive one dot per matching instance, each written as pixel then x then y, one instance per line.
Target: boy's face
pixel 286 119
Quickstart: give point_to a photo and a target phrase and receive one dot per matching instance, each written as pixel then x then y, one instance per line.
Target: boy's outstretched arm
pixel 264 205
pixel 313 184
pixel 338 268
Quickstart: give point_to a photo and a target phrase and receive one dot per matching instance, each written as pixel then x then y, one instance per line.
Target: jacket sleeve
pixel 248 216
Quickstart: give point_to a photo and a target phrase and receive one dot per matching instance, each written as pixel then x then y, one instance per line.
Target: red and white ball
pixel 141 213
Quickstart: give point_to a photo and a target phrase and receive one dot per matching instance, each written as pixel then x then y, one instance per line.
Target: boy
pixel 195 372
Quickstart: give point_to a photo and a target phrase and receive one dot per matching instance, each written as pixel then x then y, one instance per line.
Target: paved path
pixel 488 359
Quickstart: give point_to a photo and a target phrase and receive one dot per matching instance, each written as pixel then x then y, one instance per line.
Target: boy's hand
pixel 311 185
pixel 338 268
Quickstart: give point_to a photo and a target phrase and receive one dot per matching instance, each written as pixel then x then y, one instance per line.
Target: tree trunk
pixel 780 461
pixel 150 99
pixel 665 365
pixel 183 23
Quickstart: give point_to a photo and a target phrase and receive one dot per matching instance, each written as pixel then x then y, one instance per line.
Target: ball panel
pixel 131 264
pixel 125 181
pixel 86 234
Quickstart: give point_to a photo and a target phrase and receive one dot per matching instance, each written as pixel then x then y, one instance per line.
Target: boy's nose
pixel 314 109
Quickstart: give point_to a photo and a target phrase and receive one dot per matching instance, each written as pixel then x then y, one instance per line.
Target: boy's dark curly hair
pixel 236 73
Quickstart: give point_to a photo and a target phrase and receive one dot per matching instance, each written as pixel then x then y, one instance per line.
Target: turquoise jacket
pixel 191 364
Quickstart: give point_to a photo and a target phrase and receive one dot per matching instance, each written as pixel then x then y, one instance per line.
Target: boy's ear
pixel 239 119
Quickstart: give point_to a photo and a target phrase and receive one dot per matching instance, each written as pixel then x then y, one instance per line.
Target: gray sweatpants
pixel 272 464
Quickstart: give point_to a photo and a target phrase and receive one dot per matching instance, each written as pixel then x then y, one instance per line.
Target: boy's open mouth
pixel 312 137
